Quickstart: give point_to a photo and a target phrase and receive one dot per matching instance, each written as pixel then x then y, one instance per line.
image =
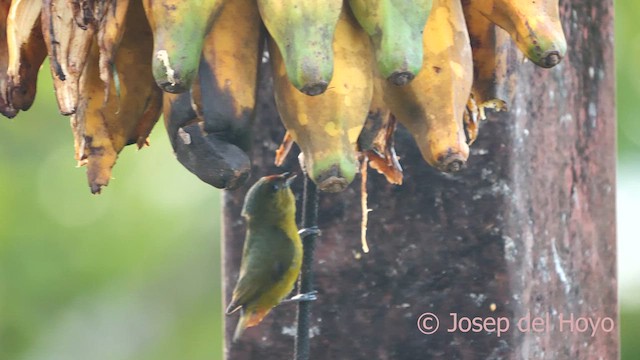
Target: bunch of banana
pixel 326 126
pixel 343 72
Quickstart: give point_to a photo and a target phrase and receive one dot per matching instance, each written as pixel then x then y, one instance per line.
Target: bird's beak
pixel 289 180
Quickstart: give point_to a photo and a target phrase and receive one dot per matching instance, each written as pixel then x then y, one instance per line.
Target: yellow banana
pixel 395 26
pixel 326 127
pixel 534 26
pixel 102 128
pixel 431 107
pixel 179 28
pixel 209 128
pixel 27 51
pixel 304 31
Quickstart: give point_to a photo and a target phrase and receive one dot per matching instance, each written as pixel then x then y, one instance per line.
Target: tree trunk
pixel 526 230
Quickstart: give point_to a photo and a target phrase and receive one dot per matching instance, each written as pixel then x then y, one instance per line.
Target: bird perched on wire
pixel 272 253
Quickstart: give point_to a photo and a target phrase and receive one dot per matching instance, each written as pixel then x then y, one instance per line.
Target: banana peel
pixel 102 128
pixel 376 141
pixel 27 52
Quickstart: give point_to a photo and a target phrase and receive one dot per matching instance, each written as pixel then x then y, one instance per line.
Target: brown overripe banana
pixel 109 35
pixel 102 128
pixel 5 107
pixel 27 52
pixel 68 46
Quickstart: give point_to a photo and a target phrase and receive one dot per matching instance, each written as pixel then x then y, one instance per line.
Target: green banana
pixel 395 27
pixel 303 31
pixel 179 28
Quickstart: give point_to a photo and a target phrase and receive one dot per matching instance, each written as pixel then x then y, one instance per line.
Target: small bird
pixel 272 253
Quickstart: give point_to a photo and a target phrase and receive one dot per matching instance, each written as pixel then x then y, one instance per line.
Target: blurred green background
pixel 134 273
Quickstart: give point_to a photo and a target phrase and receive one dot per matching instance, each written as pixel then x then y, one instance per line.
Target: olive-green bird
pixel 272 252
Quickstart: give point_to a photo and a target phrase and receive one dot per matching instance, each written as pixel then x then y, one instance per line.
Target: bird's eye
pixel 275 187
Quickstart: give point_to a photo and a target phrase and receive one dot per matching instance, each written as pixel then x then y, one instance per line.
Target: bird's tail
pixel 242 324
pixel 248 319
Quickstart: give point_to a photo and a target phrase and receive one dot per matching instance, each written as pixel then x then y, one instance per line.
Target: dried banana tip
pixel 314 89
pixel 333 184
pixel 401 78
pixel 451 162
pixel 331 180
pixel 551 59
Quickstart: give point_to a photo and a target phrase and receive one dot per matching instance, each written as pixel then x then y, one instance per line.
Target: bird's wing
pixel 263 266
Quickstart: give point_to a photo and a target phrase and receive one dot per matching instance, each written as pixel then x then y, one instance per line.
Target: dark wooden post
pixel 526 230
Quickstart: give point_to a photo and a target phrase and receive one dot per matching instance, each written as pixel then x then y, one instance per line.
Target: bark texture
pixel 526 229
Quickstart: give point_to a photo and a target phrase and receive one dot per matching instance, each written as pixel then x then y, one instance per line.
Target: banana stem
pixel 305 283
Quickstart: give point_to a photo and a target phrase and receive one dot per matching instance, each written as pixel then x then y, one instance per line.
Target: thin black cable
pixel 305 283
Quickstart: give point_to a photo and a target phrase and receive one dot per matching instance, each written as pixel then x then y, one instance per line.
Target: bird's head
pixel 270 196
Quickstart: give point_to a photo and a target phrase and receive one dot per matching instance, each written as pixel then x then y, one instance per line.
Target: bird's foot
pixel 309 231
pixel 310 296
